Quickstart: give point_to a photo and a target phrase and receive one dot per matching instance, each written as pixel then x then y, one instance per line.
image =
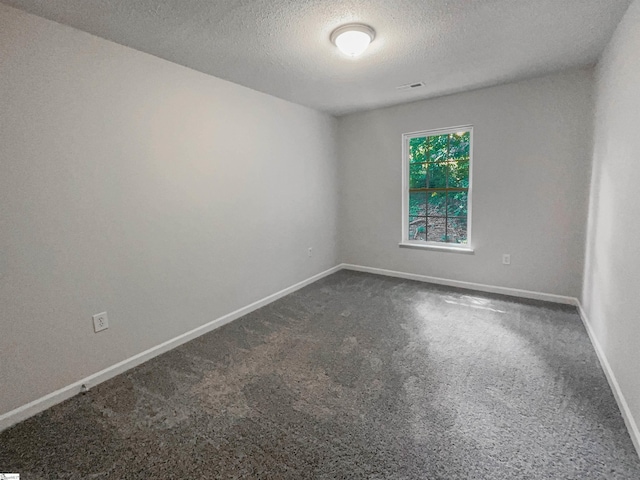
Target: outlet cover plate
pixel 100 322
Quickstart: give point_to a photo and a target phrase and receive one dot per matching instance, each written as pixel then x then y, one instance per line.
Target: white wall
pixel 133 185
pixel 611 294
pixel 532 142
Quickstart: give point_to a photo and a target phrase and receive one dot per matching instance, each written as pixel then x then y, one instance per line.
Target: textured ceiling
pixel 282 47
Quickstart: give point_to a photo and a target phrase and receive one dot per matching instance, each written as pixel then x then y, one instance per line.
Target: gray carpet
pixel 356 376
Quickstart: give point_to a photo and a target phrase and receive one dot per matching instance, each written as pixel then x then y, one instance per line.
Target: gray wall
pixel 133 185
pixel 611 294
pixel 532 143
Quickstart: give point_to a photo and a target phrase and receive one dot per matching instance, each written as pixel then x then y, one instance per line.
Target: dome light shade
pixel 353 39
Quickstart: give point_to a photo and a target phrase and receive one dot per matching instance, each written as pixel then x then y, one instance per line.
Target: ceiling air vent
pixel 410 86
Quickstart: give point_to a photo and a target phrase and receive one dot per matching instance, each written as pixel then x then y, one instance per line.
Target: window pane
pixel 417 204
pixel 418 176
pixel 438 148
pixel 417 230
pixel 418 150
pixel 457 229
pixel 458 174
pixel 459 147
pixel 437 175
pixel 437 204
pixel 436 229
pixel 457 204
pixel 439 179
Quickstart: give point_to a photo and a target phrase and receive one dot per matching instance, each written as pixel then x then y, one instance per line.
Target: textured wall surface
pixel 611 279
pixel 133 185
pixel 532 144
pixel 282 47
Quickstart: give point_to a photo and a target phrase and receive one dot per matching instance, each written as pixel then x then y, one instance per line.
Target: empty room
pixel 319 239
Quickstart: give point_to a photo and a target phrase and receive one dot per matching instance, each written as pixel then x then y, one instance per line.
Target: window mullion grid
pixel 446 191
pixel 454 189
pixel 447 188
pixel 426 205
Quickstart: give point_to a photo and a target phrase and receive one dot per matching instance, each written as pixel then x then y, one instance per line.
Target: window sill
pixel 441 248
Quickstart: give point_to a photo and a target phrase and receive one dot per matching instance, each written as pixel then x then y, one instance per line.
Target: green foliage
pixel 458 174
pixel 459 146
pixel 438 148
pixel 439 162
pixel 417 204
pixel 457 204
pixel 418 150
pixel 418 175
pixel 437 175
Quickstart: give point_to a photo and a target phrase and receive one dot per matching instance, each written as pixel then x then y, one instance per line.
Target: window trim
pixel 431 245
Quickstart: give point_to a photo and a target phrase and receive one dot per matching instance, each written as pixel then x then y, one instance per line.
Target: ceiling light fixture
pixel 353 39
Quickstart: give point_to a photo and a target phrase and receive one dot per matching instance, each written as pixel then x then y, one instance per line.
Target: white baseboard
pixel 514 292
pixel 22 413
pixel 630 422
pixel 30 409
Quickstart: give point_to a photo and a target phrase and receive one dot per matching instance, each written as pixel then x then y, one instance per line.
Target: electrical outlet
pixel 310 252
pixel 506 259
pixel 100 322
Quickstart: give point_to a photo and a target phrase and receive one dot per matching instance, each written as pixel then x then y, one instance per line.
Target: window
pixel 437 188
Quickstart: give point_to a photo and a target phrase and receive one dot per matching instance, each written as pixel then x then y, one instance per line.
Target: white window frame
pixel 430 245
